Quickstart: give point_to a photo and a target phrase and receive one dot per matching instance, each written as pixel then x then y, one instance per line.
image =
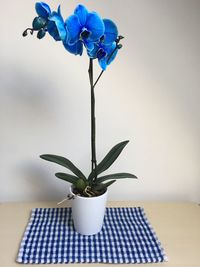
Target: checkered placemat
pixel 126 237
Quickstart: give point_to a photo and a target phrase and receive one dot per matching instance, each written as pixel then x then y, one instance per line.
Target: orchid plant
pixel 84 29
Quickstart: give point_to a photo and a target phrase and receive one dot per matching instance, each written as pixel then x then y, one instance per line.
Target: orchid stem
pixel 111 54
pixel 98 78
pixel 93 123
pixel 93 120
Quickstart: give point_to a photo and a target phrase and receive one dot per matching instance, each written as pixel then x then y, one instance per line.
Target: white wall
pixel 150 95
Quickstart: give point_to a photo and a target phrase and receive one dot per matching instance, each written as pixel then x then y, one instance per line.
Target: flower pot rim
pixel 86 198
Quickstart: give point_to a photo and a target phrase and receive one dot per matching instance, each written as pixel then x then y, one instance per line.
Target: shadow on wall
pixel 41 184
pixel 27 106
pixel 26 93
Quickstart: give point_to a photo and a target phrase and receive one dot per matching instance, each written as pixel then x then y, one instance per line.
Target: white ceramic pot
pixel 88 213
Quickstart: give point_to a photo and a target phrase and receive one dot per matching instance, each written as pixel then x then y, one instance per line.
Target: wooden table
pixel 176 224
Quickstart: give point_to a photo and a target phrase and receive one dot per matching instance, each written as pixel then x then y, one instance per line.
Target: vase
pixel 88 213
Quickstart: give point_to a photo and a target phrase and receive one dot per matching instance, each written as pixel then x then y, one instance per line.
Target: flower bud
pixel 120 37
pixel 25 33
pixel 41 34
pixel 39 23
pixel 119 46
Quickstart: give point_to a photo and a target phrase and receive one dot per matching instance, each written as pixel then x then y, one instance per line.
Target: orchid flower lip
pixel 102 38
pixel 85 33
pixel 101 53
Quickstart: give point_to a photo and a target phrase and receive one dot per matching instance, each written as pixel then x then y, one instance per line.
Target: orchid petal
pixel 42 9
pixel 111 52
pixel 102 63
pixel 76 49
pixel 89 45
pixel 93 53
pixel 53 31
pixel 59 24
pixel 74 28
pixel 111 32
pixel 81 13
pixel 95 25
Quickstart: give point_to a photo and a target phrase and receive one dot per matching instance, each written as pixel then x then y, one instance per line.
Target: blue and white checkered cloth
pixel 126 237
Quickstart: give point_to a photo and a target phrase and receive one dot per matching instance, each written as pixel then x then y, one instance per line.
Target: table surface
pixel 177 226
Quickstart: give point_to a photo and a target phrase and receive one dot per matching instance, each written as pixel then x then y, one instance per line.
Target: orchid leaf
pixel 109 159
pixel 102 186
pixel 67 177
pixel 63 162
pixel 116 176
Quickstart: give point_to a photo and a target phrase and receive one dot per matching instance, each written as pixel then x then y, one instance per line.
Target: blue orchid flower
pixel 106 50
pixel 85 28
pixel 51 22
pixel 40 23
pixel 82 29
pixel 104 53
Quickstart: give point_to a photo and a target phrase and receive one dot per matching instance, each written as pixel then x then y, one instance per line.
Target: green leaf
pixel 115 176
pixel 109 159
pixel 80 184
pixel 101 186
pixel 64 162
pixel 67 177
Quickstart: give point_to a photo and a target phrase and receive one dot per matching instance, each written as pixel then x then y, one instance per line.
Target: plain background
pixel 149 95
